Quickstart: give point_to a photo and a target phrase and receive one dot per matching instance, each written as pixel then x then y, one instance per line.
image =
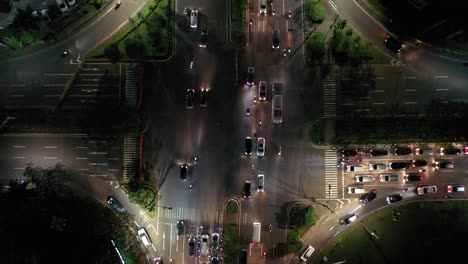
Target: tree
pixel 134 48
pixel 112 52
pixel 316 10
pixel 46 181
pixel 294 243
pixel 315 47
pixel 24 20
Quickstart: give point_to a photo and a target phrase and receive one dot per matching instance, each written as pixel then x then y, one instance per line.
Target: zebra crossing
pixel 331 174
pixel 131 84
pixel 178 213
pixel 129 158
pixel 329 96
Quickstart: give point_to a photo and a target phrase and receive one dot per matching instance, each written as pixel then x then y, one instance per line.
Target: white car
pixel 261 147
pixel 70 3
pixel 144 236
pixel 261 183
pixel 426 189
pixel 194 18
pixel 307 253
pixel 377 166
pixel 63 7
pixel 204 244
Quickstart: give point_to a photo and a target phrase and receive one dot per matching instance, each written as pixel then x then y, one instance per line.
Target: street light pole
pixel 369 231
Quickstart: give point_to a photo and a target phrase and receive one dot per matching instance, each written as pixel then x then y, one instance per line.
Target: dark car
pixel 250 76
pixel 412 177
pixel 203 96
pixel 419 163
pixel 189 98
pixel 115 205
pixel 180 227
pixel 203 39
pixel 378 152
pixel 349 152
pixel 450 151
pixel 183 172
pixel 247 185
pixel 399 165
pixel 248 146
pixel 215 260
pixel 191 248
pixel 275 39
pixel 447 165
pixel 348 219
pixel 402 151
pixel 368 197
pixel 393 44
pixel 394 198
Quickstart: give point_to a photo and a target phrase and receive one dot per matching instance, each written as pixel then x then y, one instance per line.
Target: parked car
pixel 363 178
pixel 426 189
pixel 354 168
pixel 449 151
pixel 425 151
pixel 377 166
pixel 455 188
pixel 378 152
pixel 419 163
pixel 368 197
pixel 412 177
pixel 399 151
pixel 63 7
pixel 70 3
pixel 348 219
pixel 399 165
pixel 144 237
pixel 388 177
pixel 444 164
pixel 394 198
pixel 194 18
pixel 115 205
pixel 356 190
pixel 307 253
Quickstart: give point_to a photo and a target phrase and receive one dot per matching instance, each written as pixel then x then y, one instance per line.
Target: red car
pixel 465 150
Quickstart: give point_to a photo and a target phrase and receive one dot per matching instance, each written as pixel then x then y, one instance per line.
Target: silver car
pixel 377 166
pixel 363 178
pixel 194 18
pixel 204 244
pixel 388 177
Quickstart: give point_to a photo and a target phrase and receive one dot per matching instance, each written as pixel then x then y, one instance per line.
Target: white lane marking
pixel 82 169
pixel 355 209
pixel 409 103
pixel 18 157
pixel 81 147
pixel 379 78
pixel 97 164
pixel 337 232
pixel 371 17
pixel 441 89
pixel 410 90
pixel 441 76
pixel 378 103
pixel 17 85
pixel 331 228
pixel 113 170
pixel 97 153
pixel 18 168
pixel 58 74
pixel 50 158
pixel 19 146
pixel 379 91
pixel 50 147
pixel 78 158
pixel 98 175
pixel 409 77
pixel 333 5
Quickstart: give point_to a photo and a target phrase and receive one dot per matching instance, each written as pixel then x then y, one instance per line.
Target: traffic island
pixel 231 227
pixel 144 196
pixel 237 23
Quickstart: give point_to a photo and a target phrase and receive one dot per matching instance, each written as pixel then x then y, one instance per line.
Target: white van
pixel 257 229
pixel 262 6
pixel 356 189
pixel 307 253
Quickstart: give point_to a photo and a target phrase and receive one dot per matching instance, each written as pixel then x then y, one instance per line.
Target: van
pixel 257 228
pixel 354 168
pixel 307 253
pixel 356 189
pixel 262 6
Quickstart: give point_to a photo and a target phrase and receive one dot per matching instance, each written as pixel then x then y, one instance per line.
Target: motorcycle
pixel 117 5
pixel 248 111
pixel 279 151
pixel 289 13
